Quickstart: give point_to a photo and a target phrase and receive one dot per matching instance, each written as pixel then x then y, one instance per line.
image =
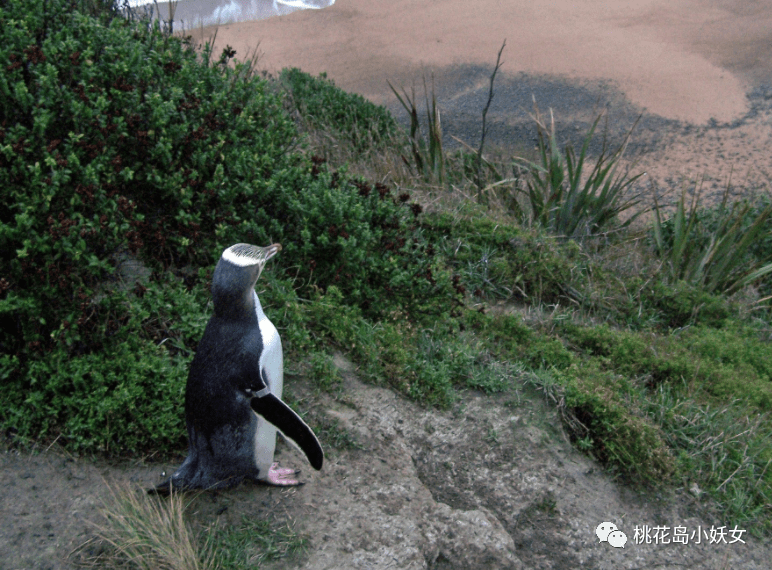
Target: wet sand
pixel 698 71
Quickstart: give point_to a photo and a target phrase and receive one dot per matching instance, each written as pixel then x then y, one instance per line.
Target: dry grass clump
pixel 149 533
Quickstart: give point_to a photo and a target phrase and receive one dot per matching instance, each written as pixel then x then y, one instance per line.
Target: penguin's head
pixel 235 277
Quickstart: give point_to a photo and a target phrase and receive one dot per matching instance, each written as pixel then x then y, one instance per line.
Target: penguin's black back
pixel 225 365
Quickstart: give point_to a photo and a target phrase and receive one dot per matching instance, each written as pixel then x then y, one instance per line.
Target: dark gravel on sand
pixel 463 92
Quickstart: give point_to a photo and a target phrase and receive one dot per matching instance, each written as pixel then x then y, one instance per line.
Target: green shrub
pixel 131 401
pixel 352 235
pixel 546 352
pixel 287 312
pixel 327 107
pixel 427 365
pixel 120 144
pixel 115 138
pixel 618 438
pixel 601 416
pixel 387 352
pixel 444 361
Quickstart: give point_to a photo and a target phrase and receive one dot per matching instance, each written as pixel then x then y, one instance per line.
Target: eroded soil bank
pixel 493 483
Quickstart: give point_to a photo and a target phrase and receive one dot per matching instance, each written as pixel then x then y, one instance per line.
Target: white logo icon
pixel 604 529
pixel 617 538
pixel 608 532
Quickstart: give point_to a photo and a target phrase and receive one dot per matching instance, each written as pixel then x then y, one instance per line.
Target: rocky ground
pixel 493 483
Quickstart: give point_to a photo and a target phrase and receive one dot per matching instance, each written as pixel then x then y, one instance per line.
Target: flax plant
pixel 568 202
pixel 710 259
pixel 427 154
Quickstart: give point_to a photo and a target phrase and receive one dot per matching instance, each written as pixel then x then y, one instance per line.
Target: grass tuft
pixel 150 532
pixel 722 450
pixel 427 153
pixel 253 542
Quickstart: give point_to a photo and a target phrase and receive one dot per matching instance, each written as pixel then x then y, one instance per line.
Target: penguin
pixel 233 404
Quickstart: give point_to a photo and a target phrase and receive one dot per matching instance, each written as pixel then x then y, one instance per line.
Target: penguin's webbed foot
pixel 166 488
pixel 281 477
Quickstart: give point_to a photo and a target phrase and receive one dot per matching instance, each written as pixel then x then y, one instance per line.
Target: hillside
pixel 496 355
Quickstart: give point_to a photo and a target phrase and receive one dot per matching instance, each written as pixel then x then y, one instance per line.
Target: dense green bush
pixel 121 144
pixel 326 107
pixel 495 260
pixel 357 236
pixel 126 395
pixel 114 137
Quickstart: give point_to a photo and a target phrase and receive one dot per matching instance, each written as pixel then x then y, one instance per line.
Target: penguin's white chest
pixel 271 359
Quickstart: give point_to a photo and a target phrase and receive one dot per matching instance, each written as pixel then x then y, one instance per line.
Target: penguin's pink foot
pixel 281 476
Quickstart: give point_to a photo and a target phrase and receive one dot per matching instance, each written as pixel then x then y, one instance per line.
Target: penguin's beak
pixel 270 250
pixel 266 253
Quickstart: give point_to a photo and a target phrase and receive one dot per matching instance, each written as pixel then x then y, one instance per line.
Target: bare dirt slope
pixel 492 483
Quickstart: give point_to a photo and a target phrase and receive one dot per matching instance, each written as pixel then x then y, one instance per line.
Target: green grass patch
pixel 252 543
pixel 323 372
pixel 720 365
pixel 723 449
pixel 689 408
pixel 601 416
pixel 499 260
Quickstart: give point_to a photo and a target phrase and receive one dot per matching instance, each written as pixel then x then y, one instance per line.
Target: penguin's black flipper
pixel 291 425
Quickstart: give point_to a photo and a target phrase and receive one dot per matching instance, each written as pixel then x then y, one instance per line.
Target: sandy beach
pixel 698 71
